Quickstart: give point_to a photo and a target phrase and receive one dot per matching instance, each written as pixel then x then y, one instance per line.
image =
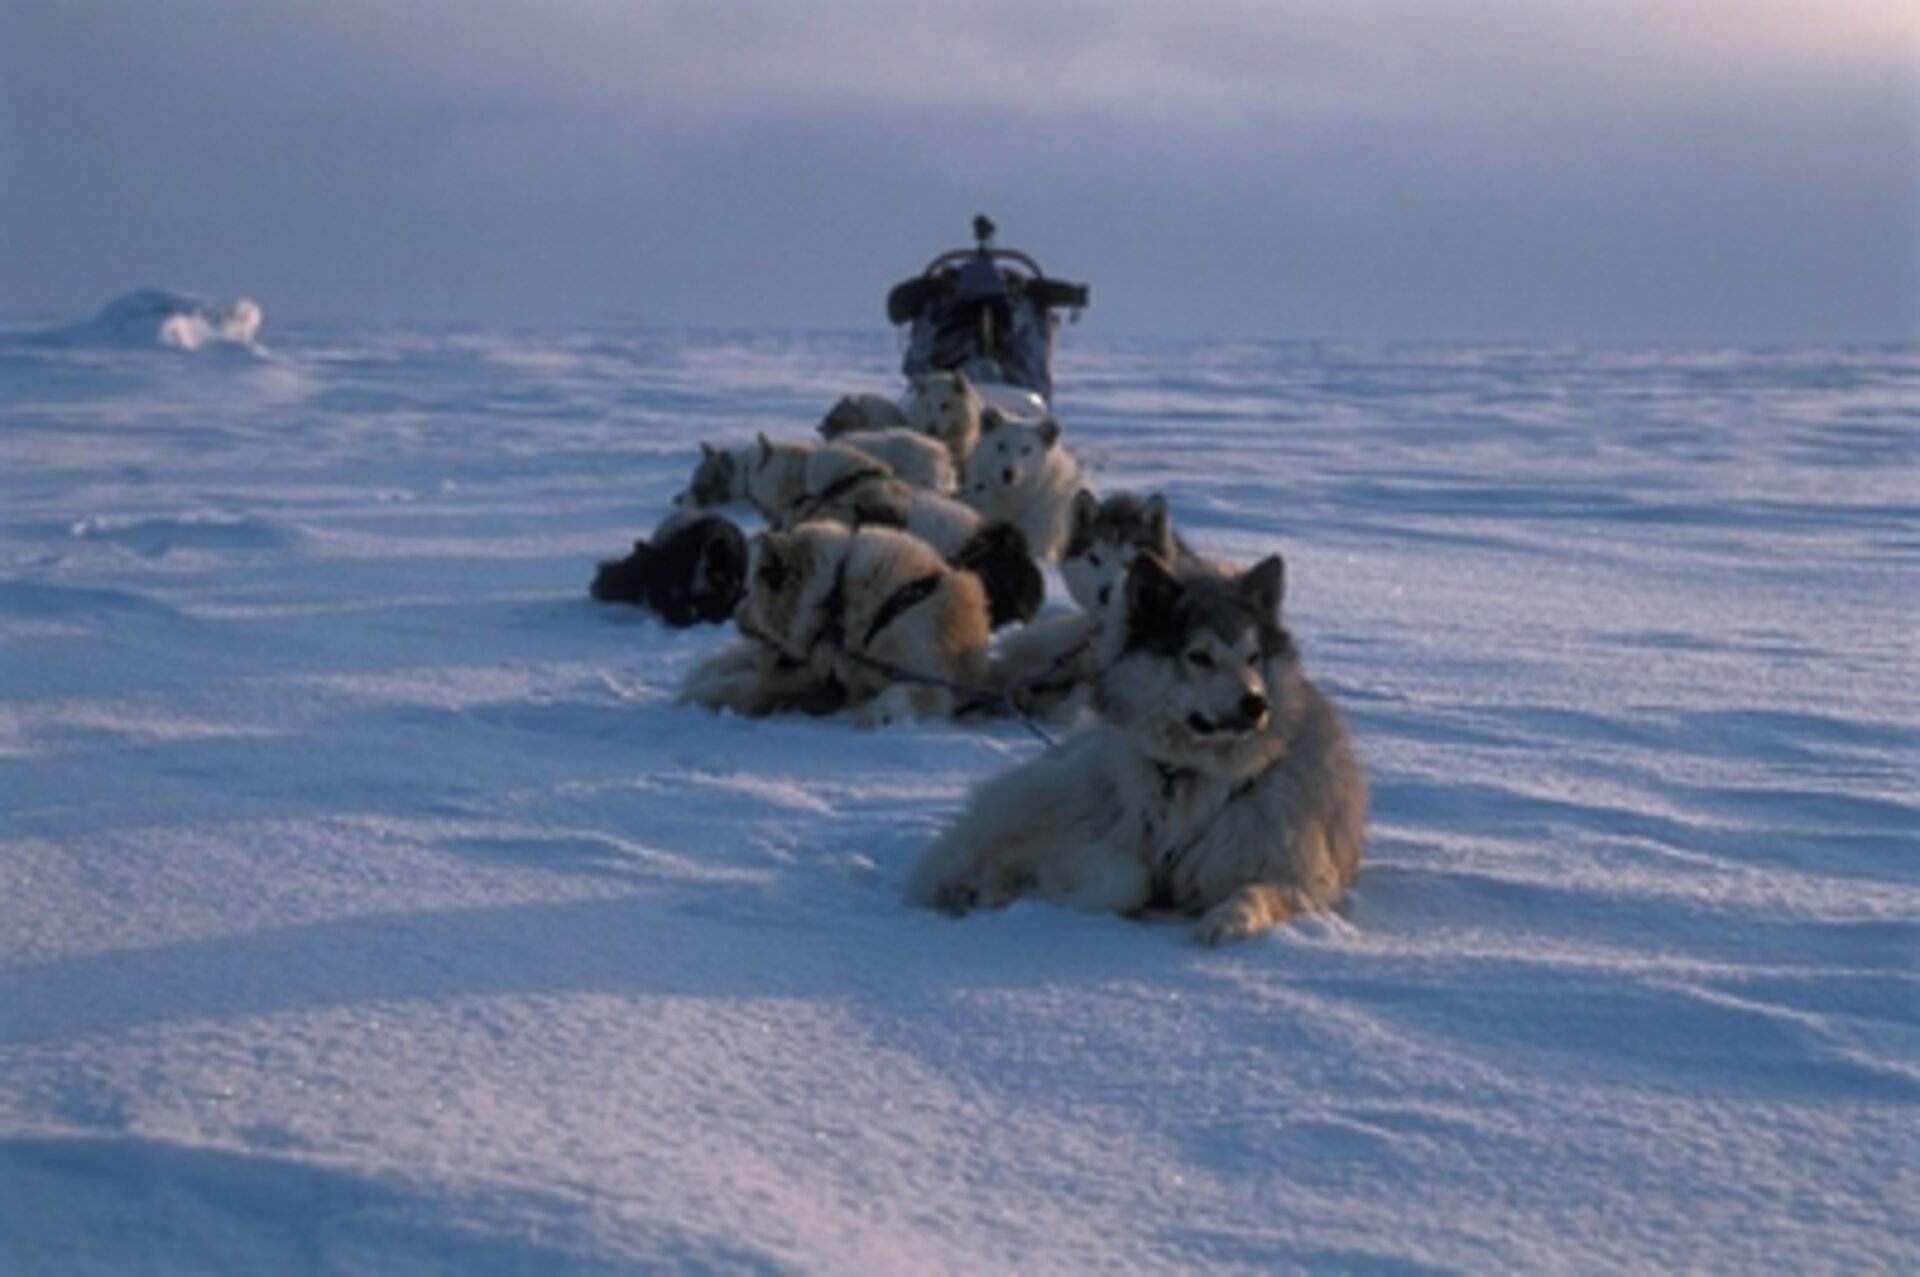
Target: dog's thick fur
pixel 1105 536
pixel 1020 473
pixel 946 406
pixel 792 483
pixel 913 457
pixel 872 615
pixel 1047 668
pixel 865 411
pixel 997 554
pixel 693 570
pixel 1218 781
pixel 780 480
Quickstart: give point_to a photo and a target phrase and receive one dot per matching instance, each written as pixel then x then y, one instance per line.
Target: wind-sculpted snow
pixel 367 905
pixel 161 317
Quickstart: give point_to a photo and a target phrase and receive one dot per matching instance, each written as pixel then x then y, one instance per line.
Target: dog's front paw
pixel 1248 912
pixel 954 898
pixel 876 713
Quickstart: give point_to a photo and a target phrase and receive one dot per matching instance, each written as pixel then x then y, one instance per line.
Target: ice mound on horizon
pixel 183 321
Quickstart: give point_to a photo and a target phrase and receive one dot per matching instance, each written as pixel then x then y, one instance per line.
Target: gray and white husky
pixel 1047 667
pixel 1218 781
pixel 1105 536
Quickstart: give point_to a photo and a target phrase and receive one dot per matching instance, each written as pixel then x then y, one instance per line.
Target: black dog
pixel 694 570
pixel 998 555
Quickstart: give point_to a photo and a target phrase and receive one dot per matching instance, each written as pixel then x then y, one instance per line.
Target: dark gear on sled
pixel 988 312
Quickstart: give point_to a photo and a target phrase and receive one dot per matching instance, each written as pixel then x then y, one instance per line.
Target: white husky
pixel 1020 473
pixel 1218 781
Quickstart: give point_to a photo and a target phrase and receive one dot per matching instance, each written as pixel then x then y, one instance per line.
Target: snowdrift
pixel 162 317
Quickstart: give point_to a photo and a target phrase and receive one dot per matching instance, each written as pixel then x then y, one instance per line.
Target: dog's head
pixel 844 418
pixel 693 572
pixel 946 406
pixel 716 481
pixel 1202 659
pixel 1105 538
pixel 1011 451
pixel 778 602
pixel 625 580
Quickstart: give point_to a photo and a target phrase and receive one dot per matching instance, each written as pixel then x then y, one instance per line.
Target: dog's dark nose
pixel 1253 707
pixel 1006 476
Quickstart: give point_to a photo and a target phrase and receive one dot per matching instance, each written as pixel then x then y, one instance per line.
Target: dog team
pixel 1209 776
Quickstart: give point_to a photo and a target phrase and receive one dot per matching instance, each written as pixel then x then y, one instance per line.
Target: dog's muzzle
pixel 1249 716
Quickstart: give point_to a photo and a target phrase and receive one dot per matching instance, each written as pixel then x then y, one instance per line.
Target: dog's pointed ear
pixel 1265 585
pixel 991 419
pixel 766 449
pixel 1159 521
pixel 706 450
pixel 1049 431
pixel 1153 596
pixel 1086 509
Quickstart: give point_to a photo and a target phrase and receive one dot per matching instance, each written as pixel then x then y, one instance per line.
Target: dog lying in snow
pixel 913 457
pixel 1020 473
pixel 1047 667
pixel 1105 536
pixel 945 406
pixel 693 570
pixel 791 483
pixel 852 414
pixel 873 617
pixel 1218 781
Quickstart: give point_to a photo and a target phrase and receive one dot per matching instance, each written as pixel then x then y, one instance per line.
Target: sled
pixel 988 312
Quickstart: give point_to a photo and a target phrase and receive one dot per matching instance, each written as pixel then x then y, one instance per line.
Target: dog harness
pixel 809 506
pixel 899 602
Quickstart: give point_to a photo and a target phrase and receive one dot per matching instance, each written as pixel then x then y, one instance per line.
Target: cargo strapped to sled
pixel 985 311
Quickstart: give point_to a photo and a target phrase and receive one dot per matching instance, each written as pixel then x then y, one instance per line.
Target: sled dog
pixel 946 406
pixel 780 480
pixel 997 554
pixel 913 457
pixel 1047 668
pixel 871 615
pixel 694 569
pixel 1218 781
pixel 792 483
pixel 1104 537
pixel 1020 473
pixel 865 411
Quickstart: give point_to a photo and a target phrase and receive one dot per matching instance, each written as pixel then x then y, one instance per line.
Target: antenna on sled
pixel 983 229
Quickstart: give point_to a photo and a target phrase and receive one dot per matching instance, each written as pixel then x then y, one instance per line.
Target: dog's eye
pixel 1027 451
pixel 1199 659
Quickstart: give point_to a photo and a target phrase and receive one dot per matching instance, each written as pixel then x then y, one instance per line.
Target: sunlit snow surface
pixel 366 906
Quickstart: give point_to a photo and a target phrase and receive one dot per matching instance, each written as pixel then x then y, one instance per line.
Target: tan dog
pixel 783 481
pixel 945 406
pixel 873 615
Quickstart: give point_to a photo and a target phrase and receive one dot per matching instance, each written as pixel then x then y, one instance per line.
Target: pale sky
pixel 1562 170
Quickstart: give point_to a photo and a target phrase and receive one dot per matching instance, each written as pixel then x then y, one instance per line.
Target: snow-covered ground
pixel 366 905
